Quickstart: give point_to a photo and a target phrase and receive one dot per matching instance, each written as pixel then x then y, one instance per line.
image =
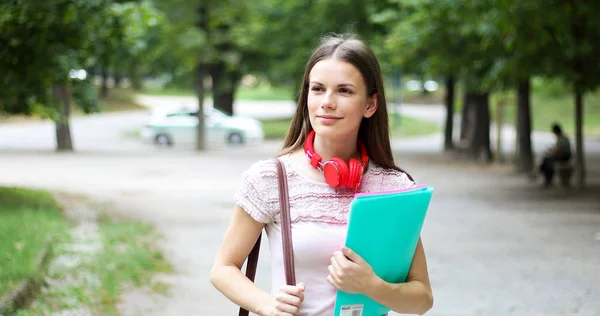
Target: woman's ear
pixel 372 103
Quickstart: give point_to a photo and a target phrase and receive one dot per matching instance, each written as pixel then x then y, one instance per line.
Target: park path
pixel 497 244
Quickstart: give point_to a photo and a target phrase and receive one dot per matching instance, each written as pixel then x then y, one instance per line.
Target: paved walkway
pixel 496 243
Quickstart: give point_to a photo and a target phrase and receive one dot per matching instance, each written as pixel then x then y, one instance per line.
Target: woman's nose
pixel 328 100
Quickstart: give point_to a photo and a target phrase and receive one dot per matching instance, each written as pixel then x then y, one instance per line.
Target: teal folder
pixel 383 228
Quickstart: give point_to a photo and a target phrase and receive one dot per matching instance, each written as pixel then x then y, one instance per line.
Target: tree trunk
pixel 200 91
pixel 499 128
pixel 135 76
pixel 579 66
pixel 63 132
pixel 118 78
pixel 104 86
pixel 448 143
pixel 580 161
pixel 479 145
pixel 424 91
pixel 224 84
pixel 464 119
pixel 524 152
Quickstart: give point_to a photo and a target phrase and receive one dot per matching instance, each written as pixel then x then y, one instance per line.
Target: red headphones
pixel 337 173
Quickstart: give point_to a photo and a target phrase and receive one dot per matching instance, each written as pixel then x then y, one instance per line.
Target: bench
pixel 565 173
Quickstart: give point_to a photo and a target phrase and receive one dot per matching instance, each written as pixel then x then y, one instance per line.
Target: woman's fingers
pixel 289 299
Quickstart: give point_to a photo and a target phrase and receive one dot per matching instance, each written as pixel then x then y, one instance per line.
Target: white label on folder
pixel 351 310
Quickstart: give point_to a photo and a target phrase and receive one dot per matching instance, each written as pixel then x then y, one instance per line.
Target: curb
pixel 27 289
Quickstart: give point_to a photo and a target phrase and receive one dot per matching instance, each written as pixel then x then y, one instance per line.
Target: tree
pixel 574 27
pixel 526 47
pixel 41 45
pixel 202 37
pixel 454 39
pixel 425 37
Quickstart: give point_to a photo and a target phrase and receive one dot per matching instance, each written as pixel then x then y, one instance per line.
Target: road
pixel 496 244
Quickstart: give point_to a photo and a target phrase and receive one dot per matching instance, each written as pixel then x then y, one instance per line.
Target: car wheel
pixel 163 140
pixel 235 138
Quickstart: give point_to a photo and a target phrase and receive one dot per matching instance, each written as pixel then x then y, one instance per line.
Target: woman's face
pixel 337 99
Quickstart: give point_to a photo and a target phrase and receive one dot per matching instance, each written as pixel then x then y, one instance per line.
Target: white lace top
pixel 319 216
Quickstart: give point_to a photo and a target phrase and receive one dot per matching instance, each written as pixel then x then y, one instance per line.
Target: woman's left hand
pixel 348 272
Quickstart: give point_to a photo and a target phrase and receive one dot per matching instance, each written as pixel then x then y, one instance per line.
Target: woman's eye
pixel 344 90
pixel 316 89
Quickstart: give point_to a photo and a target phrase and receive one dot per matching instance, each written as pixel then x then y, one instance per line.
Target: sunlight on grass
pixel 548 109
pixel 28 220
pixel 399 127
pixel 258 93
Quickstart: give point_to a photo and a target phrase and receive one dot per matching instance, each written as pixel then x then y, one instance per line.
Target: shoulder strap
pixel 286 225
pixel 286 236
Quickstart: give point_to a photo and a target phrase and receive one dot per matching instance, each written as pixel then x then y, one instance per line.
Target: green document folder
pixel 383 228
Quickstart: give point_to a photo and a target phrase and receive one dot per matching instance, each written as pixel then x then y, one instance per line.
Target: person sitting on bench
pixel 559 153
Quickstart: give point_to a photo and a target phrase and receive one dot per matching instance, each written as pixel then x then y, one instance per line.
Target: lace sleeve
pixel 396 180
pixel 257 193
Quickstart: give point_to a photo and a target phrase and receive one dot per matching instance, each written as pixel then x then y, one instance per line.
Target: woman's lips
pixel 328 119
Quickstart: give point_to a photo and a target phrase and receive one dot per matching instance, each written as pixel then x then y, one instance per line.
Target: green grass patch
pixel 130 257
pixel 258 93
pixel 120 99
pixel 277 128
pixel 134 133
pixel 548 108
pixel 171 91
pixel 29 219
pixel 265 93
pixel 400 126
pixel 404 126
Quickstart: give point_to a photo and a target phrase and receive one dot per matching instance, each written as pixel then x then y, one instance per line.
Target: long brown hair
pixel 373 131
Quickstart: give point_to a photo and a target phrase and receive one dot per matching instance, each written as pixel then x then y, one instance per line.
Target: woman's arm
pixel 226 274
pixel 412 297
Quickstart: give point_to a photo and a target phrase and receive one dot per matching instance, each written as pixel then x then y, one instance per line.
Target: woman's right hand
pixel 288 300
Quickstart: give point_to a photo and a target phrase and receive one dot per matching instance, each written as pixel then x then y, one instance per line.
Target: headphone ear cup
pixel 353 173
pixel 341 171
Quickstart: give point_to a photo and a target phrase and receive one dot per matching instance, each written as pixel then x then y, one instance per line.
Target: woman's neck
pixel 340 148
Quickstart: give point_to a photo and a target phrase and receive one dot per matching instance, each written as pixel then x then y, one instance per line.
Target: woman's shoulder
pixel 257 192
pixel 261 169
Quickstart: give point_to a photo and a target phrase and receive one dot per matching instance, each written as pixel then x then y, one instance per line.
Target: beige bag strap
pixel 286 235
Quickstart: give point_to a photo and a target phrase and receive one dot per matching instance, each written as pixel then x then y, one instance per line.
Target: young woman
pixel 340 127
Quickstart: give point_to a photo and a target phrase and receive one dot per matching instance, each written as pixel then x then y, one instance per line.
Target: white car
pixel 179 127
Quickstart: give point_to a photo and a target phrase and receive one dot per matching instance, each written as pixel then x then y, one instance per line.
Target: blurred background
pixel 154 108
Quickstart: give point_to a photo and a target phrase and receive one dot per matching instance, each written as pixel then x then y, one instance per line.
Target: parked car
pixel 179 127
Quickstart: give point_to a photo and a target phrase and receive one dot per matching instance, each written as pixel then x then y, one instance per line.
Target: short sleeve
pixel 258 191
pixel 396 180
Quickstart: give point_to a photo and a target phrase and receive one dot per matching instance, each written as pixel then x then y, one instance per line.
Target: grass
pixel 547 109
pixel 28 220
pixel 258 93
pixel 403 126
pixel 399 127
pixel 129 257
pixel 118 100
pixel 277 128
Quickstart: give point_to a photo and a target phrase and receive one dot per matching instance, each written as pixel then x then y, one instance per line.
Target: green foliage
pixel 40 43
pixel 494 44
pixel 86 96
